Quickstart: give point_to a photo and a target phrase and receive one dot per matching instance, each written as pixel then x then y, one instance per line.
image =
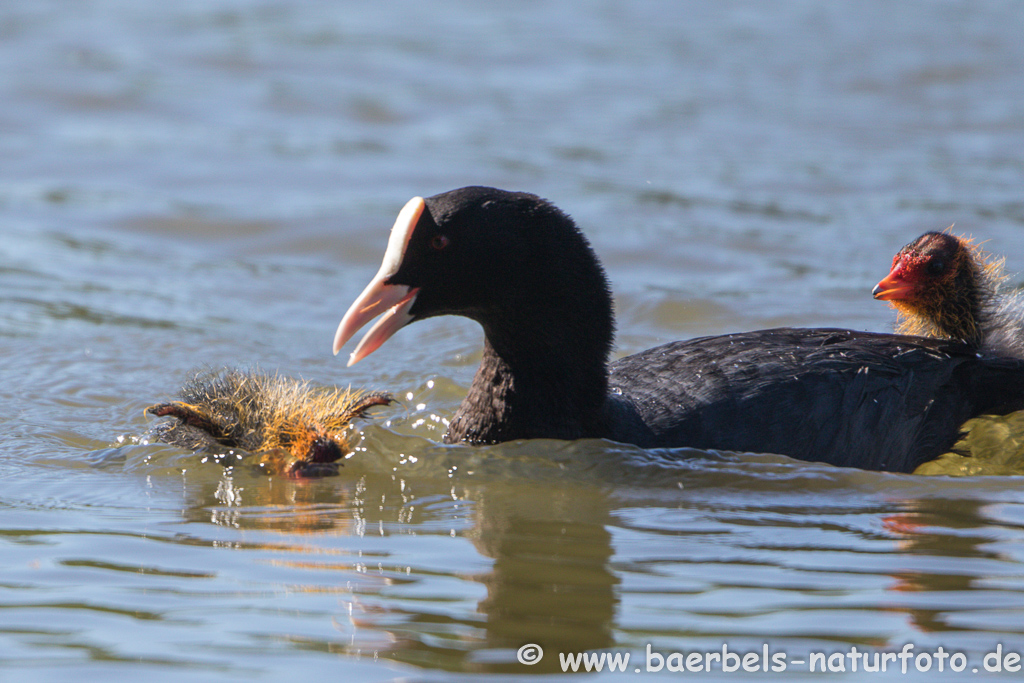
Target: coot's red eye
pixel 439 242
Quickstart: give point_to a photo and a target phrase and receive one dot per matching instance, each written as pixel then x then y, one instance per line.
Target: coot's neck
pixel 541 376
pixel 958 312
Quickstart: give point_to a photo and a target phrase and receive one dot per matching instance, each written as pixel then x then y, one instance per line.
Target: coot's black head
pixel 509 260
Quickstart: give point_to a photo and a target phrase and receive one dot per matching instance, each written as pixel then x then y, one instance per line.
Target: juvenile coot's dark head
pixel 938 285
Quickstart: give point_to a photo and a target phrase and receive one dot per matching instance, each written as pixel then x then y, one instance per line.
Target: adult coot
pixel 520 267
pixel 942 285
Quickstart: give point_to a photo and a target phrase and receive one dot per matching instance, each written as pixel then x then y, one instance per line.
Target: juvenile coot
pixel 294 429
pixel 523 270
pixel 942 285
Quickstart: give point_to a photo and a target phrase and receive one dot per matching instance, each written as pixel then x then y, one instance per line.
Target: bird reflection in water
pixel 939 545
pixel 536 556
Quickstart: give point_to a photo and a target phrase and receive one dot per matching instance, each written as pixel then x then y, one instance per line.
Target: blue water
pixel 199 184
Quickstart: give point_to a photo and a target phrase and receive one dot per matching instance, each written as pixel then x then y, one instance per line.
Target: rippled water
pixel 211 183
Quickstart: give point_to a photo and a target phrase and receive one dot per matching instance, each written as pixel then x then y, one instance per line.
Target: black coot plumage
pixel 523 270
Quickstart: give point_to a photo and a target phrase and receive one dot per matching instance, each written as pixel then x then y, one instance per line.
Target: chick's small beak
pixel 892 288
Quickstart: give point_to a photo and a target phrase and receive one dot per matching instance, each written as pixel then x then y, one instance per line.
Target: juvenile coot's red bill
pixel 522 269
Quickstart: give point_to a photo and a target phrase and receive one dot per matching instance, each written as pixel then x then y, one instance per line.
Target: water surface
pixel 200 184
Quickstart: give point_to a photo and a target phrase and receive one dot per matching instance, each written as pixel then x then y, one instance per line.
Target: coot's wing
pixel 875 401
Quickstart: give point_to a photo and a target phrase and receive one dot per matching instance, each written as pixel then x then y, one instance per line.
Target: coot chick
pixel 295 429
pixel 522 269
pixel 942 285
